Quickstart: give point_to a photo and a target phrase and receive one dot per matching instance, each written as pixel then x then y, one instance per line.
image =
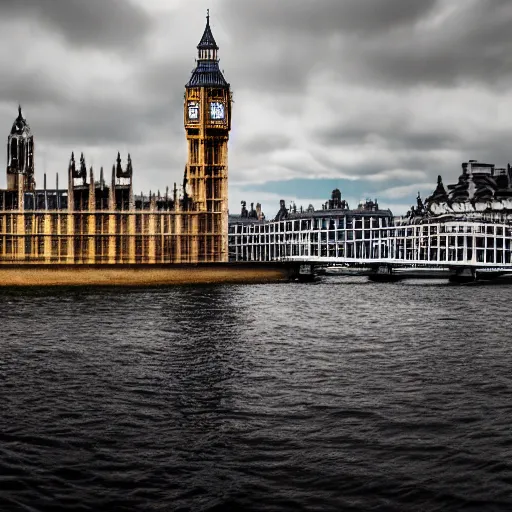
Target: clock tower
pixel 207 120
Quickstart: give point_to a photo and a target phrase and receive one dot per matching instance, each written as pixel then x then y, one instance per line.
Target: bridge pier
pixel 303 272
pixel 384 274
pixel 462 275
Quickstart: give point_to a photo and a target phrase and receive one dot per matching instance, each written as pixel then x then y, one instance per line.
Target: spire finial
pixel 19 109
pixel 208 15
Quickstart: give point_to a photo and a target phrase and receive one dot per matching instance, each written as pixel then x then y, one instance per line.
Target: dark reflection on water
pixel 339 395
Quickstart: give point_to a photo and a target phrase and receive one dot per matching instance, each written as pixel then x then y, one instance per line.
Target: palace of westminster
pixel 102 221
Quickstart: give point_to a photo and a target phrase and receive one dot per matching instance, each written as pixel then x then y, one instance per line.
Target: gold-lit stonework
pixel 207 118
pixel 101 221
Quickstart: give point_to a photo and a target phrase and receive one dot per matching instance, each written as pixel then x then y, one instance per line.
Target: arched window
pixel 21 156
pixel 14 149
pixel 30 153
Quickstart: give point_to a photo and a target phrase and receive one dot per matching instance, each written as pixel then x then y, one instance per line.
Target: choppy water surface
pixel 339 395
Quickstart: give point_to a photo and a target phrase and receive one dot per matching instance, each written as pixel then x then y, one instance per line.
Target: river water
pixel 335 395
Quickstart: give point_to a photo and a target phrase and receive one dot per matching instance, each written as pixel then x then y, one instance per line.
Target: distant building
pixel 467 225
pixel 99 220
pixel 335 231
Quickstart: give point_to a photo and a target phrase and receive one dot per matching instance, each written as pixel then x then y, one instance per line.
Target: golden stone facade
pixel 100 222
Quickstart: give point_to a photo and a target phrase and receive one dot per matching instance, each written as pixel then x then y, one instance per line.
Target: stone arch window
pixel 14 149
pixel 21 156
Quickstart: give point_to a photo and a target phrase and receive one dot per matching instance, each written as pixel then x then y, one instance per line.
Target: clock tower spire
pixel 207 120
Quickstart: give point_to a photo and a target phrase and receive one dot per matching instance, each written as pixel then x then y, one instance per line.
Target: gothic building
pixel 207 119
pixel 99 219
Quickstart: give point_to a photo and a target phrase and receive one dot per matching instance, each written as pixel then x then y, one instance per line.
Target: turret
pixel 78 188
pixel 122 185
pixel 20 156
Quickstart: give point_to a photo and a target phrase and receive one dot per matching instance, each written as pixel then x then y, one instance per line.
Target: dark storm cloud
pixel 472 44
pixel 395 43
pixel 28 87
pixel 356 88
pixel 103 24
pixel 286 42
pixel 104 123
pixel 318 49
pixel 163 84
pixel 317 18
pixel 101 119
pixel 394 137
pixel 99 122
pixel 372 167
pixel 265 143
pixel 164 80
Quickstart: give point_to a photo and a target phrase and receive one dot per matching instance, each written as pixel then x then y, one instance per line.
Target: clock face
pixel 217 110
pixel 193 110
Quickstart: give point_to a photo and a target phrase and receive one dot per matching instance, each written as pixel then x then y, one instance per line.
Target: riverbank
pixel 143 275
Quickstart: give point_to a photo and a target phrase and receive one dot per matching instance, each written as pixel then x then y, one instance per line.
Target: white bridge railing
pixel 319 260
pixel 463 243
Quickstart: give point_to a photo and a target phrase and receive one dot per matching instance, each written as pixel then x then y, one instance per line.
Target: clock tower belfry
pixel 207 120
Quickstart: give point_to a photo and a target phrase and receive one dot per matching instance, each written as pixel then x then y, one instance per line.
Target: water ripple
pixel 331 396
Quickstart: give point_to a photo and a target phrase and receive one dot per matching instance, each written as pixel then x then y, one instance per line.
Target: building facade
pixel 468 225
pixel 334 232
pixel 99 220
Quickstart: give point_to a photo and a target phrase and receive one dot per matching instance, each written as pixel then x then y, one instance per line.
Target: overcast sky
pixel 375 97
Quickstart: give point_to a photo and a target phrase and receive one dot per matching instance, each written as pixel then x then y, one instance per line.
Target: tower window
pixel 194 151
pixel 14 149
pixel 21 156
